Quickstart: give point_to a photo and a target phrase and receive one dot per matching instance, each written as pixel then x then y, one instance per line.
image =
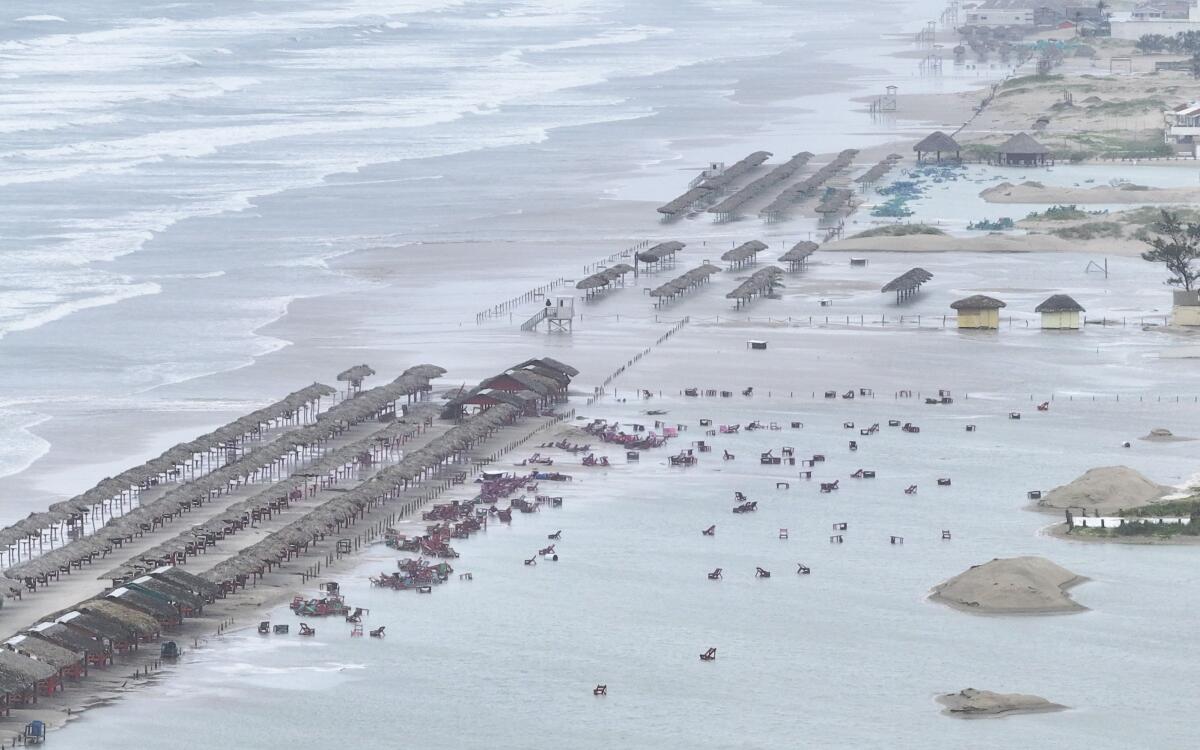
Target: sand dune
pixel 979 704
pixel 1011 586
pixel 1038 193
pixel 1106 489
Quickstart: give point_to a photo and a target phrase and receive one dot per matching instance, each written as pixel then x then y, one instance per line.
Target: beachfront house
pixel 1155 17
pixel 978 311
pixel 1040 13
pixel 1060 313
pixel 940 146
pixel 1186 310
pixel 1022 150
pixel 1182 127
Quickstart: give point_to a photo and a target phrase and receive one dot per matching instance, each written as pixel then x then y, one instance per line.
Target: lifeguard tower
pixel 559 315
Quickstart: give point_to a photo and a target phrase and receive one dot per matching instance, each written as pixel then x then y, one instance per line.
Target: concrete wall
pixel 978 318
pixel 1134 30
pixel 1060 321
pixel 1185 315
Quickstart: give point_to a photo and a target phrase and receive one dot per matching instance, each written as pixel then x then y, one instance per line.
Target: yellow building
pixel 1186 311
pixel 978 311
pixel 1060 313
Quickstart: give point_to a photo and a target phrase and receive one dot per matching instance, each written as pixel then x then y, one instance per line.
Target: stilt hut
pixel 744 254
pixel 978 311
pixel 658 257
pixel 940 145
pixel 907 284
pixel 1059 312
pixel 1024 151
pixel 797 257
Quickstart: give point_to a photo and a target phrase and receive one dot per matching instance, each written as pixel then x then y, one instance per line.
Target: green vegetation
pixel 898 230
pixel 1090 231
pixel 1059 213
pixel 1128 107
pixel 980 151
pixel 987 225
pixel 1176 244
pixel 1093 144
pixel 1031 80
pixel 1188 506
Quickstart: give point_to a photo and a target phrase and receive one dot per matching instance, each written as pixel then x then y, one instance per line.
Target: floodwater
pixel 243 199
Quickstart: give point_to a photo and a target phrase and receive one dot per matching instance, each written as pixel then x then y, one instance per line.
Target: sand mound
pixel 1011 586
pixel 1163 435
pixel 1034 192
pixel 1106 489
pixel 979 704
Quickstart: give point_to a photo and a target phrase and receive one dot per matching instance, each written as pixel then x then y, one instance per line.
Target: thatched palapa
pixel 743 254
pixel 937 143
pixel 908 283
pixel 797 257
pixel 20 673
pixel 729 207
pixel 762 282
pixel 684 283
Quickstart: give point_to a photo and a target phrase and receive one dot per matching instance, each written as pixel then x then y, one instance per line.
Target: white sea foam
pixel 19 446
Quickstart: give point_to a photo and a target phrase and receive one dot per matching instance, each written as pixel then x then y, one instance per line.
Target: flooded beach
pixel 244 201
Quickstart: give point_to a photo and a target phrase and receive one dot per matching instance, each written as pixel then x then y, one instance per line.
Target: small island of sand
pixel 1104 490
pixel 1036 192
pixel 1011 586
pixel 1163 435
pixel 984 704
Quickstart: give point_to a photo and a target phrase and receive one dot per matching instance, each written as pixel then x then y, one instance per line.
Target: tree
pixel 1195 64
pixel 1176 245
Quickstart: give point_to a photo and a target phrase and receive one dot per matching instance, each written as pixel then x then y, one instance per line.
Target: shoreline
pixel 936 597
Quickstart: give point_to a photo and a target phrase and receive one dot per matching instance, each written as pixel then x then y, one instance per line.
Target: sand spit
pixel 1163 435
pixel 1033 192
pixel 984 704
pixel 1011 586
pixel 1105 490
pixel 990 243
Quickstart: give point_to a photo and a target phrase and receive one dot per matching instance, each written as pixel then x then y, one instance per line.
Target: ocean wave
pixel 62 308
pixel 20 448
pixel 50 19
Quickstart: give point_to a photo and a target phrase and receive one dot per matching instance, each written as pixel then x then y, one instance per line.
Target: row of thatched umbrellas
pixel 835 200
pixel 743 253
pixel 776 176
pixel 809 186
pixel 340 511
pixel 164 465
pixel 265 500
pixel 194 493
pixel 761 282
pixel 685 282
pixel 875 173
pixel 601 279
pixel 713 185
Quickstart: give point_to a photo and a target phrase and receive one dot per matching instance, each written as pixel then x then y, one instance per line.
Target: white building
pixel 1181 127
pixel 1167 21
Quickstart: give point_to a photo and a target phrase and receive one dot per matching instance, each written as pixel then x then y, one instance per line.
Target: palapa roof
pixel 744 251
pixel 143 602
pixel 977 302
pixel 685 281
pixel 19 673
pixel 659 252
pixel 68 638
pixel 910 279
pixel 937 141
pixel 799 252
pixel 356 373
pixel 809 185
pixel 760 282
pixel 553 364
pixel 1059 303
pixel 776 176
pixel 687 200
pixel 169 592
pixel 190 581
pixel 97 625
pixel 131 619
pixel 1022 143
pixel 44 651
